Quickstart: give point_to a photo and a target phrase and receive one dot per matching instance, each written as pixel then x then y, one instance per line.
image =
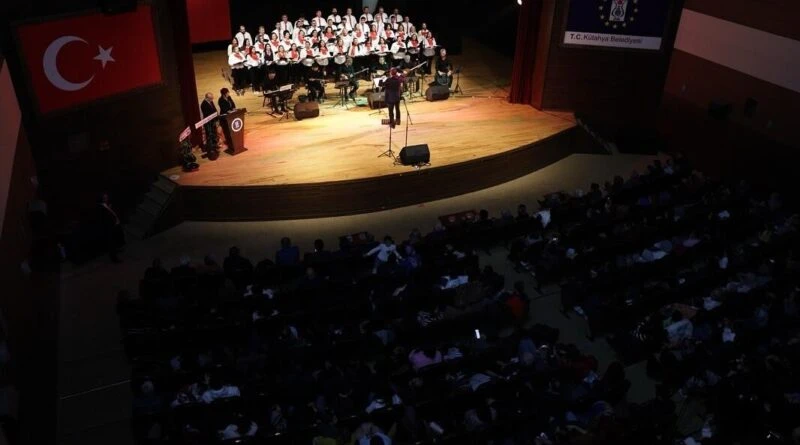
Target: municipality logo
pixel 617 14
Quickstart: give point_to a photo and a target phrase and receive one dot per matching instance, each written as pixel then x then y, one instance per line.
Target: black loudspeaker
pixel 719 110
pixel 306 110
pixel 437 92
pixel 117 6
pixel 376 100
pixel 415 154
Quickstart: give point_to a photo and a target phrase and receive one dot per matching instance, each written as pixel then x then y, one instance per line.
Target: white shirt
pixel 384 17
pixel 232 431
pixel 285 26
pixel 368 16
pixel 336 18
pixel 384 251
pixel 406 27
pixel 399 17
pixel 241 37
pixel 398 46
pixel 223 393
pixel 319 22
pixel 350 21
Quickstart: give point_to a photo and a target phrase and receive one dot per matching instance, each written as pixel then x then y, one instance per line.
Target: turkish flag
pixel 81 59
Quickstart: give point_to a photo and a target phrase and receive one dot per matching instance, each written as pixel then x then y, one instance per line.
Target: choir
pixel 294 51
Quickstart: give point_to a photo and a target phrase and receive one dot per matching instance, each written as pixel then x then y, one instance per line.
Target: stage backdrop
pixel 209 20
pixel 632 24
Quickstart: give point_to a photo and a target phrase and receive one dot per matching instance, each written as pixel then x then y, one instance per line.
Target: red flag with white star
pixel 81 59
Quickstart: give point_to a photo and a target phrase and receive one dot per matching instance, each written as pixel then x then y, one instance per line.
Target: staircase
pixel 144 220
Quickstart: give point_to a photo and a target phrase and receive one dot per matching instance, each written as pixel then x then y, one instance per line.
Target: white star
pixel 104 55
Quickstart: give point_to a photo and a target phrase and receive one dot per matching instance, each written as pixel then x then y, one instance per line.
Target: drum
pixel 400 55
pixel 308 62
pixel 322 61
pixel 412 50
pixel 282 62
pixel 429 52
pixel 340 59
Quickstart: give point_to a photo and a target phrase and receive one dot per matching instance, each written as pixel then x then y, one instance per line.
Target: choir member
pixel 337 19
pixel 242 36
pixel 285 25
pixel 367 15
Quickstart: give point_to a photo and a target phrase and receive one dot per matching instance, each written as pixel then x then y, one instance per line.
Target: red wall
pixel 209 20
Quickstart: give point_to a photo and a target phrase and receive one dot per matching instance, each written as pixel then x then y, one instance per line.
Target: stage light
pixel 519 2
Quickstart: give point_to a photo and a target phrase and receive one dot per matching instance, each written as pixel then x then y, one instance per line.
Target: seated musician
pixel 316 84
pixel 225 102
pixel 281 57
pixel 271 85
pixel 347 72
pixel 308 51
pixel 398 46
pixel 444 69
pixel 381 66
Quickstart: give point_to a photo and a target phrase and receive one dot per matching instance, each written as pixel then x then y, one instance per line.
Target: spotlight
pixel 519 2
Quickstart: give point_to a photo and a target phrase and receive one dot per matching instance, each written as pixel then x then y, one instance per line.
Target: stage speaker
pixel 719 110
pixel 437 92
pixel 117 6
pixel 415 154
pixel 376 100
pixel 306 110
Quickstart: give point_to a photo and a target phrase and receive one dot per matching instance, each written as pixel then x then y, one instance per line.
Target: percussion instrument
pixel 429 52
pixel 399 55
pixel 443 78
pixel 413 50
pixel 282 62
pixel 308 61
pixel 322 60
pixel 340 59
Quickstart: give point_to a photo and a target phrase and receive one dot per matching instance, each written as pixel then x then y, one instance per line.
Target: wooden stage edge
pixel 365 195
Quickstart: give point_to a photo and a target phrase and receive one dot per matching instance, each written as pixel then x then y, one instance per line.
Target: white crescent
pixel 51 68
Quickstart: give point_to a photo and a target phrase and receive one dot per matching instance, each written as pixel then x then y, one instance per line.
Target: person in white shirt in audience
pixel 350 21
pixel 285 25
pixel 383 250
pixel 367 15
pixel 334 15
pixel 242 36
pixel 218 390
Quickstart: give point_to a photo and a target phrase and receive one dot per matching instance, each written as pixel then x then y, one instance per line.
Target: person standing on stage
pixel 243 36
pixel 393 87
pixel 226 104
pixel 347 72
pixel 337 19
pixel 207 108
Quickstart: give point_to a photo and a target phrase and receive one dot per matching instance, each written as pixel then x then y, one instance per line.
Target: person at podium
pixel 225 102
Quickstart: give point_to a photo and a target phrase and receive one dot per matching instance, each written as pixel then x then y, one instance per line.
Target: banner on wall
pixel 81 59
pixel 634 24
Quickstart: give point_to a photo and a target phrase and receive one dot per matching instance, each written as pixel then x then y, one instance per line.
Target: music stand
pixel 389 153
pixel 457 89
pixel 285 94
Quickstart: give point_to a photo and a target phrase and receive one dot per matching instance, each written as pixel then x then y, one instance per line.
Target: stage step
pixel 154 203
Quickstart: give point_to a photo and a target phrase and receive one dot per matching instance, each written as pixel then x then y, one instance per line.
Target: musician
pixel 444 68
pixel 300 40
pixel 366 15
pixel 255 68
pixel 393 87
pixel 337 19
pixel 274 42
pixel 383 47
pixel 347 72
pixel 308 51
pixel 381 66
pixel 207 108
pixel 272 84
pixel 398 46
pixel 316 84
pixel 350 21
pixel 226 104
pixel 328 35
pixel 242 36
pixel 314 38
pixel 413 80
pixel 287 41
pixel 414 47
pixel 285 25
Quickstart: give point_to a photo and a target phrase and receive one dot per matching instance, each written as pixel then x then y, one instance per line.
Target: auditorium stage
pixel 330 165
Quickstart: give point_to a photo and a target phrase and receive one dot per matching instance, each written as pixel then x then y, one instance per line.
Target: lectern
pixel 233 127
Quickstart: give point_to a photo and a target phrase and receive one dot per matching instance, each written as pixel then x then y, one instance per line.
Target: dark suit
pixel 393 87
pixel 207 108
pixel 210 128
pixel 444 66
pixel 226 105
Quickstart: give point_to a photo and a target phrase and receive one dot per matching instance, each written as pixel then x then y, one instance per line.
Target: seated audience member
pixel 147 401
pixel 420 358
pixel 287 255
pixel 382 252
pixel 219 390
pixel 678 328
pixel 241 428
pixel 238 268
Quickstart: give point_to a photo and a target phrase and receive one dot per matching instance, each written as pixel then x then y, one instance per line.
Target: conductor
pixel 393 86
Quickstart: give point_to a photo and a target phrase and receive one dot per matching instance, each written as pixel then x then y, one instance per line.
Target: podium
pixel 233 128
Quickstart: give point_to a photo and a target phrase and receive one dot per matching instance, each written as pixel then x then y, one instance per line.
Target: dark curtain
pixel 185 64
pixel 525 52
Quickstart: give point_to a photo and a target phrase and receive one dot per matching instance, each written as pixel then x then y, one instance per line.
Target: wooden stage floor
pixel 343 145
